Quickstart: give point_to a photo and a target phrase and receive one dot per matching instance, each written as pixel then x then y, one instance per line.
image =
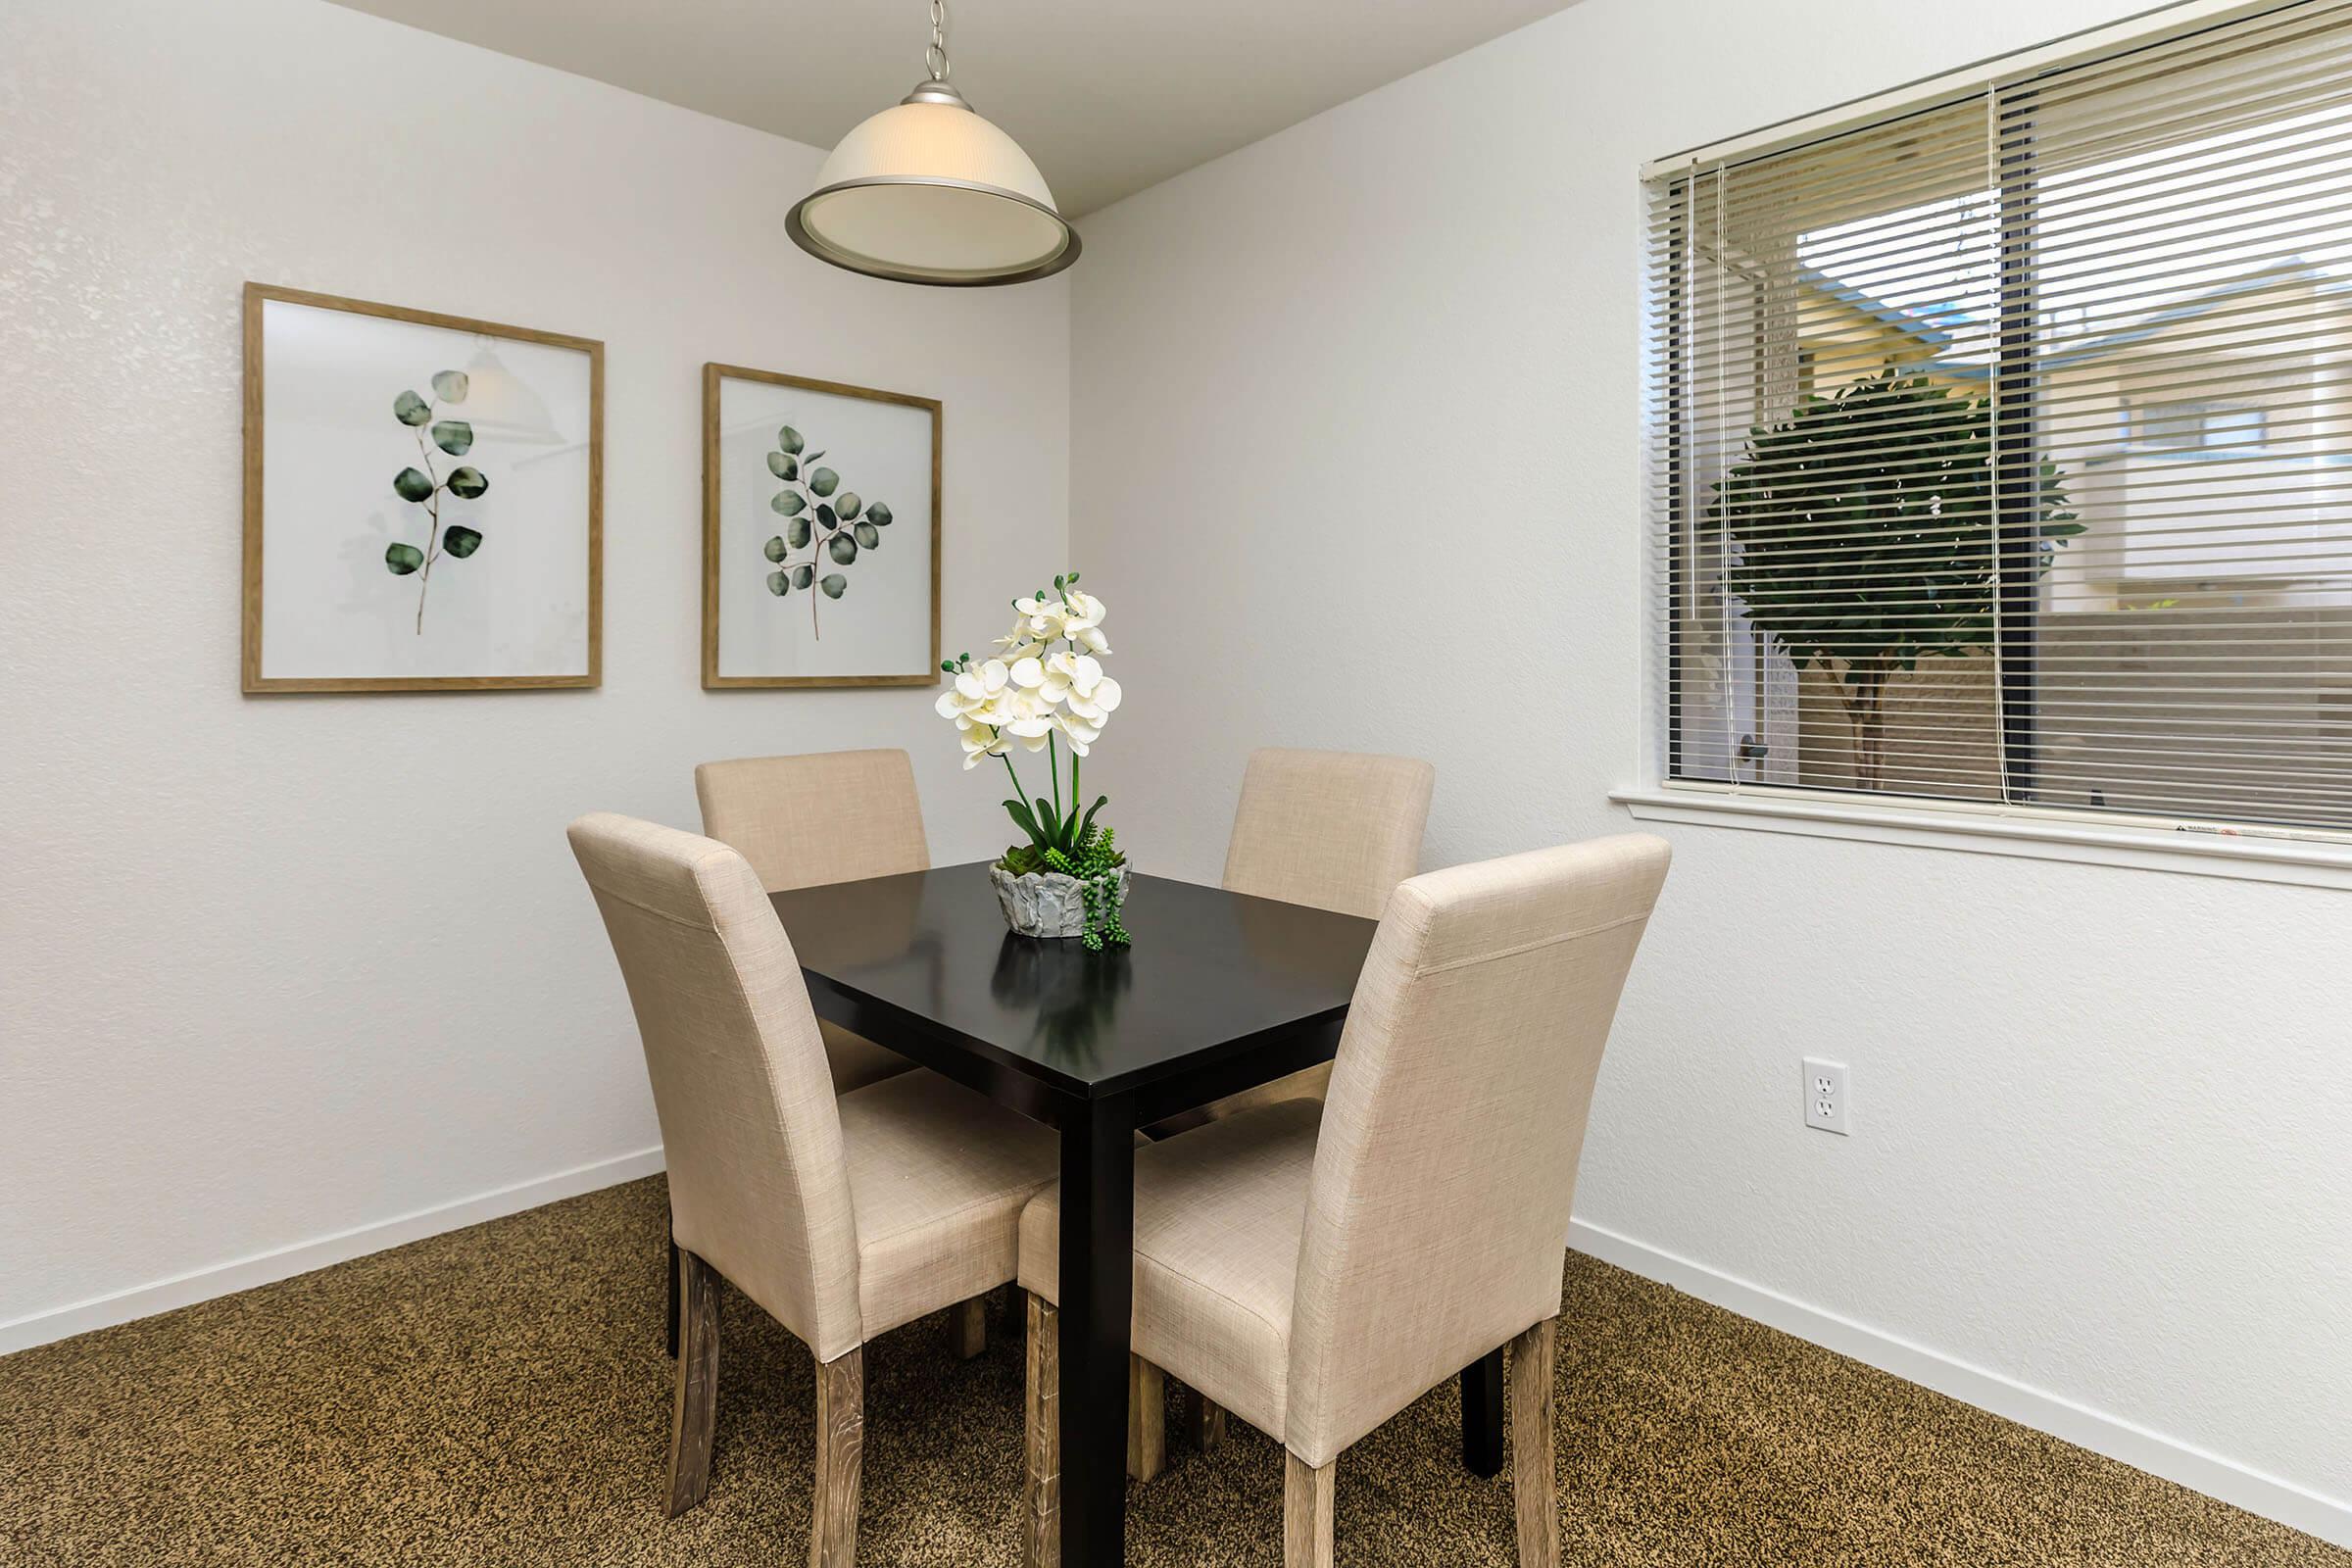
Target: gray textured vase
pixel 1045 903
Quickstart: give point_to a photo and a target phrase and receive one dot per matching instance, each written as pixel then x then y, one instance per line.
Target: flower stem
pixel 1053 770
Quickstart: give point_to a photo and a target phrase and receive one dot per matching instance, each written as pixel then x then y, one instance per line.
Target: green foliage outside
pixel 1864 536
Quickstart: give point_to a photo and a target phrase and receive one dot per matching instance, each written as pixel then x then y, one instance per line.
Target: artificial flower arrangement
pixel 1046 692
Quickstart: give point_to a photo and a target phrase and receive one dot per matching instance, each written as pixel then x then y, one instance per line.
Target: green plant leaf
pixel 774 549
pixel 403 558
pixel 1025 823
pixel 790 441
pixel 450 386
pixel 878 514
pixel 798 531
pixel 779 583
pixel 866 535
pixel 410 409
pixel 791 502
pixel 823 480
pixel 1088 826
pixel 460 540
pixel 452 436
pixel 467 483
pixel 1051 822
pixel 825 515
pixel 847 503
pixel 813 455
pixel 802 575
pixel 842 548
pixel 410 484
pixel 782 467
pixel 834 585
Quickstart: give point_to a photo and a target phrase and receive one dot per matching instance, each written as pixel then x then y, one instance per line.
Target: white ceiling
pixel 1107 95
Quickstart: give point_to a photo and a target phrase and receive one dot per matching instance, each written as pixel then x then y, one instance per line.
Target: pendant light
pixel 929 192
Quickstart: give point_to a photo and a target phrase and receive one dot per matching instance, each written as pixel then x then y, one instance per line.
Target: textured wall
pixel 273 969
pixel 1356 462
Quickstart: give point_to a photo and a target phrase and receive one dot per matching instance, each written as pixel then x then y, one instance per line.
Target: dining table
pixel 1219 992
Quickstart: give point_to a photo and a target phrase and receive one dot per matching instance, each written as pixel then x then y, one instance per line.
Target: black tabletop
pixel 924 963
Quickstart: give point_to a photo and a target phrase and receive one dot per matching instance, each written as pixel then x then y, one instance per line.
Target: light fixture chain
pixel 935 56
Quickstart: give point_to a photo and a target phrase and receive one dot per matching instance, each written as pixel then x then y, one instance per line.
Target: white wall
pixel 271 969
pixel 1356 462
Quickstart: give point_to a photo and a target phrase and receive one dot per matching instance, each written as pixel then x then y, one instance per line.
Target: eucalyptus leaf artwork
pixel 829 522
pixel 427 486
pixel 820 533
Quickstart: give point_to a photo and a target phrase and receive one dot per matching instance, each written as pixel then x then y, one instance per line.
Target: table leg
pixel 1097 1288
pixel 1482 1414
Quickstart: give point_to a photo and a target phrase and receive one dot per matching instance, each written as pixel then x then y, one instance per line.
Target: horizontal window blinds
pixel 2002 451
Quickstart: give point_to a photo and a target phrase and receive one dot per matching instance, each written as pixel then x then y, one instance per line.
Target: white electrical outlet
pixel 1825 1095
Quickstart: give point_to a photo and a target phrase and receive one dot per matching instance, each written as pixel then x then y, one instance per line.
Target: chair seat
pixel 855 1061
pixel 938 1179
pixel 1218 1213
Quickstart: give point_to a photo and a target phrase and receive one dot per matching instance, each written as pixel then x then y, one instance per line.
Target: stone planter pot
pixel 1043 903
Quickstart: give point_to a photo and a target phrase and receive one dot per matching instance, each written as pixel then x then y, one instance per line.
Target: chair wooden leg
pixel 672 1342
pixel 694 1411
pixel 1147 1419
pixel 1534 1496
pixel 967 1328
pixel 1204 1421
pixel 1306 1498
pixel 840 1456
pixel 1041 1478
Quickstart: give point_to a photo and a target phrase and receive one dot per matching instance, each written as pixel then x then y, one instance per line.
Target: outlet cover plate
pixel 1825 1097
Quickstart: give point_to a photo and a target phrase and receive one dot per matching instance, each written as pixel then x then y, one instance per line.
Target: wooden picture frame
pixel 257 300
pixel 716 569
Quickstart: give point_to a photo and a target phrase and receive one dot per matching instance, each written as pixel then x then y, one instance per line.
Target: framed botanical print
pixel 820 533
pixel 423 500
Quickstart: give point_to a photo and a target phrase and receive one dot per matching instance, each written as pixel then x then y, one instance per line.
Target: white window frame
pixel 2287 855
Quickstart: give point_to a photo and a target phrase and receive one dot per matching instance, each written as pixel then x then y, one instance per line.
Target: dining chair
pixel 1314 1270
pixel 842 1216
pixel 804 820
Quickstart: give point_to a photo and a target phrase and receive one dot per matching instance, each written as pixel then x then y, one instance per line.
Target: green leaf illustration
pixel 403 558
pixel 468 484
pixel 774 549
pixel 842 548
pixel 782 467
pixel 798 531
pixel 450 386
pixel 849 504
pixel 452 436
pixel 825 515
pixel 789 440
pixel 868 535
pixel 789 502
pixel 410 484
pixel 834 585
pixel 803 576
pixel 823 480
pixel 779 584
pixel 460 540
pixel 878 514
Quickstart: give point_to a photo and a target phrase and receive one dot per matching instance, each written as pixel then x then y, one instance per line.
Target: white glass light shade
pixel 929 192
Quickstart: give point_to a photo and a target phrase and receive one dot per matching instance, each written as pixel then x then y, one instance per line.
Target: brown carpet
pixel 499 1396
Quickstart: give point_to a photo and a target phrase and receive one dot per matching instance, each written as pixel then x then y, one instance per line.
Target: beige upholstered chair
pixel 829 816
pixel 1337 830
pixel 842 1216
pixel 1316 1283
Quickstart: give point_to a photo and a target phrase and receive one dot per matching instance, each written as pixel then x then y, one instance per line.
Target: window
pixel 2004 445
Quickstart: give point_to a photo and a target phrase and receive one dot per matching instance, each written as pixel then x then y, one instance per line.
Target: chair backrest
pixel 1436 1222
pixel 828 816
pixel 758 1187
pixel 1337 830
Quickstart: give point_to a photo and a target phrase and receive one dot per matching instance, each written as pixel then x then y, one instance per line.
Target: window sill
pixel 2299 862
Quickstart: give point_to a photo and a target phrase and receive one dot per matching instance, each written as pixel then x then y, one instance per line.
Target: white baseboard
pixel 284 1263
pixel 2327 1518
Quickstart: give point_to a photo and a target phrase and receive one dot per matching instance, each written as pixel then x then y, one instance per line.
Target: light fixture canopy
pixel 927 191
